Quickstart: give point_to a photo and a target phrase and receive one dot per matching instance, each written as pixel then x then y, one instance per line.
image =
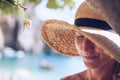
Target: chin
pixel 91 65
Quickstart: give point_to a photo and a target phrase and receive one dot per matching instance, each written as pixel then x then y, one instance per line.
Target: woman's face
pixel 93 56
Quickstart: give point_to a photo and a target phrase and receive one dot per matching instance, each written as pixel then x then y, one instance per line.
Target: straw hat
pixel 110 9
pixel 60 35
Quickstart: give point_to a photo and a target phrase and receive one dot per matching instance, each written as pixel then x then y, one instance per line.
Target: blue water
pixel 61 66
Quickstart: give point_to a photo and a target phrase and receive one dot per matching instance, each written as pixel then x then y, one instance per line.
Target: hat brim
pixel 60 36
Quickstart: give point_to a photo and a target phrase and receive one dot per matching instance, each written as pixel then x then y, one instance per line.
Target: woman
pixel 91 38
pixel 100 66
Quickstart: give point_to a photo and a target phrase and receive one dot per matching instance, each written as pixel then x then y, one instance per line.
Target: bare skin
pixel 100 66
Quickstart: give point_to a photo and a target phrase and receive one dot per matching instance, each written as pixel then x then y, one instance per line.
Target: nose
pixel 88 46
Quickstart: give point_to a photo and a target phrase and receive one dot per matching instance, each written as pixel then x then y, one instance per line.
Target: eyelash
pixel 81 36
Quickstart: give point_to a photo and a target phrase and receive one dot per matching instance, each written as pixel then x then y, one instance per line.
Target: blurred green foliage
pixel 35 2
pixel 54 4
pixel 71 3
pixel 7 7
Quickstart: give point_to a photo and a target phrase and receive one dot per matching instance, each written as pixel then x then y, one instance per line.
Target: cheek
pixel 78 43
pixel 103 56
pixel 99 50
pixel 78 47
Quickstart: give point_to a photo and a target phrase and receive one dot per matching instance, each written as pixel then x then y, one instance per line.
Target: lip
pixel 90 58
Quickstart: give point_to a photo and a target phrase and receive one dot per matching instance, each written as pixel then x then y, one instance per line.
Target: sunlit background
pixel 23 53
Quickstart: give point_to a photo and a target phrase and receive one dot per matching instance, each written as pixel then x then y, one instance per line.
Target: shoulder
pixel 78 76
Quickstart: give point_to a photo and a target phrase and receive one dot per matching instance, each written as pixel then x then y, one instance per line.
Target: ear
pixel 109 9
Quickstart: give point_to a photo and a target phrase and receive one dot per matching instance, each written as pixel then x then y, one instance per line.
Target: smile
pixel 90 58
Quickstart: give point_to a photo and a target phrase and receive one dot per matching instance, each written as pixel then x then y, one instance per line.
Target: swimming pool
pixel 33 67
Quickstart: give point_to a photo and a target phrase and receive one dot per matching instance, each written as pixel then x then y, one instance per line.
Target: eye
pixel 79 40
pixel 80 37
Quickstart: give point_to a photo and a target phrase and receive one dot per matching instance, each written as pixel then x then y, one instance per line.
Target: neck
pixel 102 73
